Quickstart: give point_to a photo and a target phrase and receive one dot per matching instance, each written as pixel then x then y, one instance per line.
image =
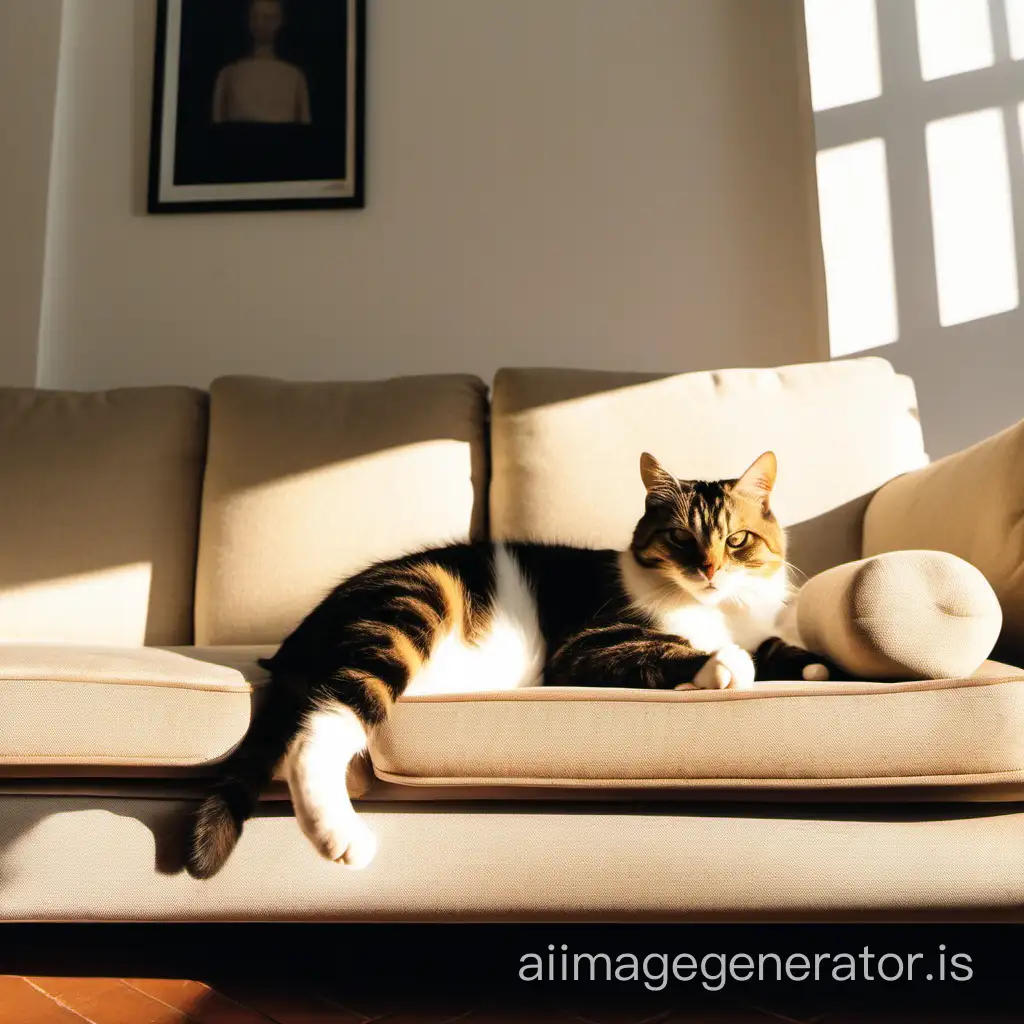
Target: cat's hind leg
pixel 331 736
pixel 379 641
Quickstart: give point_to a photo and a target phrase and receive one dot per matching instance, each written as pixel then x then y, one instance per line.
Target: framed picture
pixel 258 105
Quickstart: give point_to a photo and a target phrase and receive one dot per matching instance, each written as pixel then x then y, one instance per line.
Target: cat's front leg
pixel 318 762
pixel 777 660
pixel 731 668
pixel 624 654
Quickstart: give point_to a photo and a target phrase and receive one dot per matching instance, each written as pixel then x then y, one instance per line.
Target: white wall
pixel 577 182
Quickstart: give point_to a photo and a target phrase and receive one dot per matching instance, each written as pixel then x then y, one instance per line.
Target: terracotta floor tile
pixel 719 1015
pixel 618 1014
pixel 429 1014
pixel 203 1004
pixel 109 1001
pixel 288 1001
pixel 296 1000
pixel 515 1015
pixel 790 1011
pixel 883 1016
pixel 22 1003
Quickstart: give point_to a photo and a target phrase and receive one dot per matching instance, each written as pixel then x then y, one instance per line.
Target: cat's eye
pixel 679 538
pixel 739 540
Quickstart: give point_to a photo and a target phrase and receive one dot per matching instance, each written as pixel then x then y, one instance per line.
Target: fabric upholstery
pixel 99 514
pixel 500 862
pixel 901 615
pixel 776 735
pixel 566 447
pixel 308 483
pixel 141 707
pixel 971 504
pixel 152 713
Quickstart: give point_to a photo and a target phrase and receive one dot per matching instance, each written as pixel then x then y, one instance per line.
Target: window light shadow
pixel 842 46
pixel 972 216
pixel 946 125
pixel 953 36
pixel 856 237
pixel 1014 11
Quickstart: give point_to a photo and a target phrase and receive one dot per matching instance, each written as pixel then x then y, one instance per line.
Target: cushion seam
pixel 78 760
pixel 246 688
pixel 498 696
pixel 755 783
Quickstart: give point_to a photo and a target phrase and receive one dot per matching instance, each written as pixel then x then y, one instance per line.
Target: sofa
pixel 155 541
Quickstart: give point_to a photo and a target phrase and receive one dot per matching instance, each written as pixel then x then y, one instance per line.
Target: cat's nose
pixel 709 569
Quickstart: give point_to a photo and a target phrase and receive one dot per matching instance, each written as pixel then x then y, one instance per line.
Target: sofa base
pixel 112 858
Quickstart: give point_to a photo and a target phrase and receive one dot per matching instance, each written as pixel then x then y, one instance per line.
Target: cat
pixel 695 601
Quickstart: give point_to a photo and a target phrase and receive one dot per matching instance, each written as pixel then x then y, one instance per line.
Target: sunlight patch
pixel 856 236
pixel 972 216
pixel 953 36
pixel 842 49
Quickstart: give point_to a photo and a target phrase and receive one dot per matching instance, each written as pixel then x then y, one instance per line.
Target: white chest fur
pixel 710 628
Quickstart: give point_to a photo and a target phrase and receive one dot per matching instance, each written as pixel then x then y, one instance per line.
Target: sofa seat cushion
pixel 135 707
pixel 90 712
pixel 955 733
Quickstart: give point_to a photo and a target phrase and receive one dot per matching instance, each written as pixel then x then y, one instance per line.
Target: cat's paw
pixel 730 668
pixel 816 673
pixel 345 841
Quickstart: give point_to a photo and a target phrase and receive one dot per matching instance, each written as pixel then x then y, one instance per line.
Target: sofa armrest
pixel 970 504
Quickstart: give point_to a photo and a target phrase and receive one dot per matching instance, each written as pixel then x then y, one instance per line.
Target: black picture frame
pixel 216 144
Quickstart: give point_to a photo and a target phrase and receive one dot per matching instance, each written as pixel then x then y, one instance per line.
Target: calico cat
pixel 695 601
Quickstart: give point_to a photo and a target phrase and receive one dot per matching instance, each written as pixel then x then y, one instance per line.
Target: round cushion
pixel 901 615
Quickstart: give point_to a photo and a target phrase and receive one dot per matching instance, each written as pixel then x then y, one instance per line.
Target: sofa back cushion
pixel 308 483
pixel 566 447
pixel 99 513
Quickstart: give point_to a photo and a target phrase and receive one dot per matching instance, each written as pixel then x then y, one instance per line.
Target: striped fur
pixel 685 605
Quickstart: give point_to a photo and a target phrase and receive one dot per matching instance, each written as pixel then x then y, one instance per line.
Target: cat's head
pixel 715 539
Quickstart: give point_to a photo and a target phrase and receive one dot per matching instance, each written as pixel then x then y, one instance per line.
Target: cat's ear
pixel 654 475
pixel 759 479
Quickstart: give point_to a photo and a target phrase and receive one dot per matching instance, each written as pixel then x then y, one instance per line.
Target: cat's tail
pixel 233 796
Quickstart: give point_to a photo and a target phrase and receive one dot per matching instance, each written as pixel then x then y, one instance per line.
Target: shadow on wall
pixel 918 110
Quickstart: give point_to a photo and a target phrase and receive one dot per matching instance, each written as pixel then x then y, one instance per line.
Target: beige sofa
pixel 155 541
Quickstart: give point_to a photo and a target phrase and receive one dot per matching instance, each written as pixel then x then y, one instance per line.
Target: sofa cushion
pixel 566 447
pixel 970 504
pixel 82 712
pixel 776 736
pixel 99 514
pixel 144 707
pixel 901 615
pixel 97 856
pixel 308 483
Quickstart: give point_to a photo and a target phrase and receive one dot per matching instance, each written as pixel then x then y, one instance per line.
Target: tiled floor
pixel 325 974
pixel 63 1000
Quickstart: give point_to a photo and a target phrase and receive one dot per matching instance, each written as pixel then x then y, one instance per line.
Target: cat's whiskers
pixel 793 568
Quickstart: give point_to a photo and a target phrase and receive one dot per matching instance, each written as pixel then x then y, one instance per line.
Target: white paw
pixel 816 673
pixel 345 841
pixel 731 667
